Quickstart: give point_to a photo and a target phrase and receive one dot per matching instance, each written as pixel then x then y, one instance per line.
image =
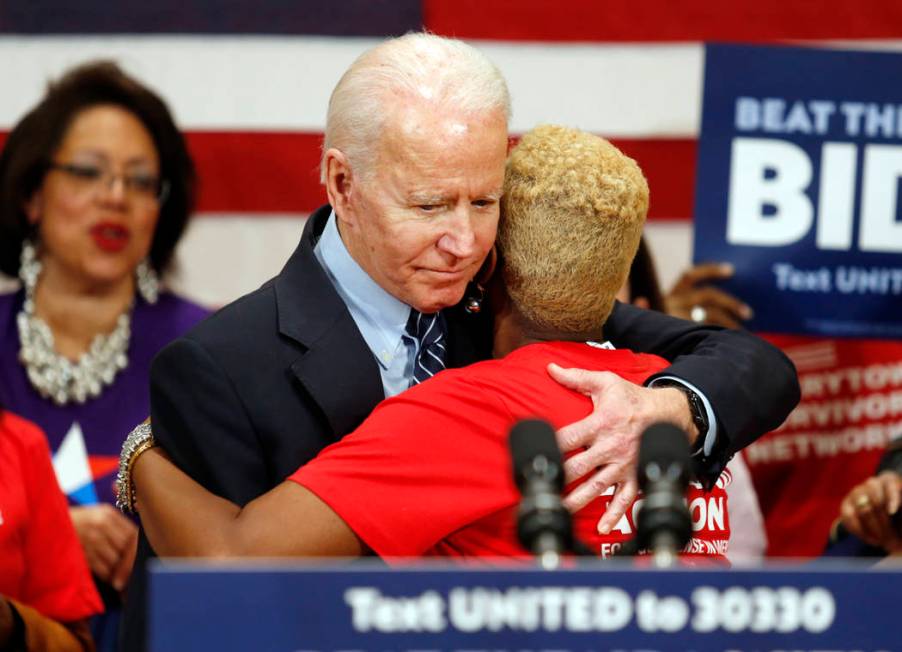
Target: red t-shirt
pixel 41 561
pixel 429 472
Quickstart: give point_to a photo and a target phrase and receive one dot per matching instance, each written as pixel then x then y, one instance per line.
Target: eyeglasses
pixel 92 178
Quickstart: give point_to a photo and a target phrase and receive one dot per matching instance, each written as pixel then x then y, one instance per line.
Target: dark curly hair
pixel 643 278
pixel 34 140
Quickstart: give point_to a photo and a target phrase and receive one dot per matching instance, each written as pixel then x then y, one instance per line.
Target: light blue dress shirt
pixel 380 317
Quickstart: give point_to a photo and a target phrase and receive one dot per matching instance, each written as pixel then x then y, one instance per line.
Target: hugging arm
pixel 750 387
pixel 200 421
pixel 199 418
pixel 182 519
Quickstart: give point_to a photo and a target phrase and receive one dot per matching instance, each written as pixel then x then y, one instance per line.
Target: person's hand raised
pixel 692 297
pixel 866 510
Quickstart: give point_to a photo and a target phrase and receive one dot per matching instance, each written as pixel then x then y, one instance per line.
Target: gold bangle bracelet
pixel 138 441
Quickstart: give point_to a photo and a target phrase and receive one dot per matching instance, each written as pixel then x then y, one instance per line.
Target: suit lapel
pixel 336 368
pixel 469 335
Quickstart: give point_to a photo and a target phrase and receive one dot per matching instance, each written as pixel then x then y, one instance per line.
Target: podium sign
pixel 451 608
pixel 798 185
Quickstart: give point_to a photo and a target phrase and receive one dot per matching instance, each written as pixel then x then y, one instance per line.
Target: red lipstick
pixel 110 236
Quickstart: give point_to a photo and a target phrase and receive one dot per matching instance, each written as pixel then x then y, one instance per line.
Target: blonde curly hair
pixel 571 219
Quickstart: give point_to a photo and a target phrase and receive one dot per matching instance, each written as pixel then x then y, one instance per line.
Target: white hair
pixel 422 67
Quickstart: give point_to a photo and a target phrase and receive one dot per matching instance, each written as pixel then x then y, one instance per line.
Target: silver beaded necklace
pixel 53 375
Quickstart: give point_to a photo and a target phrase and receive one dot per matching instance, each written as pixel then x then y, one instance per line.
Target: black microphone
pixel 664 525
pixel 543 524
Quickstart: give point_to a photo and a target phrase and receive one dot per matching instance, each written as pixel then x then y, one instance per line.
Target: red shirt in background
pixel 850 409
pixel 41 561
pixel 429 472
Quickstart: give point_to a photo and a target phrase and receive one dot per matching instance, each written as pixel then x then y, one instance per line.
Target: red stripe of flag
pixel 266 172
pixel 257 172
pixel 669 166
pixel 752 21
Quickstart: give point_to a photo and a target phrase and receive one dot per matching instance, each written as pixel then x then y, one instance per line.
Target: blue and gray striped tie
pixel 429 333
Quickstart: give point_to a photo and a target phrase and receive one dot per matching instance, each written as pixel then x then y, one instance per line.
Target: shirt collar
pixel 381 317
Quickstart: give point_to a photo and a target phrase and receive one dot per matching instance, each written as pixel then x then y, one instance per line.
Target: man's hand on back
pixel 610 436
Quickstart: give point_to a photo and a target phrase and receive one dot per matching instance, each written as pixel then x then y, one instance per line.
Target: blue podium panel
pixel 293 609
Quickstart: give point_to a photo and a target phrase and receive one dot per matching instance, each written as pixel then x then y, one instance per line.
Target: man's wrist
pixel 701 411
pixel 679 410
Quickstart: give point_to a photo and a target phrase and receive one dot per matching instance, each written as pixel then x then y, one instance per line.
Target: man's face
pixel 425 218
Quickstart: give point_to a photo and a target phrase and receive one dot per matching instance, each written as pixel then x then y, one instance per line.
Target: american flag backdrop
pixel 249 83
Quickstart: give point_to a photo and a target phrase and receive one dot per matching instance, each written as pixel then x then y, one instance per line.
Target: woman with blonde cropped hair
pixel 395 486
pixel 571 220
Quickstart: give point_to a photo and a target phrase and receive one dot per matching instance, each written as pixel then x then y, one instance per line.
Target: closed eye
pixel 430 207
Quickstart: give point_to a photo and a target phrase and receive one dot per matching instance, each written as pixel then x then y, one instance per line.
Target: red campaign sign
pixel 851 407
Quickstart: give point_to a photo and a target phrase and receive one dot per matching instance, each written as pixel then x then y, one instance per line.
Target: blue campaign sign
pixel 799 167
pixel 289 609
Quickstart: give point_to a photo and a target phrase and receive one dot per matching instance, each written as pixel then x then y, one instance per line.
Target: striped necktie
pixel 429 333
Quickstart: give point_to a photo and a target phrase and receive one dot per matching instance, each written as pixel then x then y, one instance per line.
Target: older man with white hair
pixel 371 303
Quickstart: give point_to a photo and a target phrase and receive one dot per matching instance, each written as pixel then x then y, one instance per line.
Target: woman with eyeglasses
pixel 96 186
